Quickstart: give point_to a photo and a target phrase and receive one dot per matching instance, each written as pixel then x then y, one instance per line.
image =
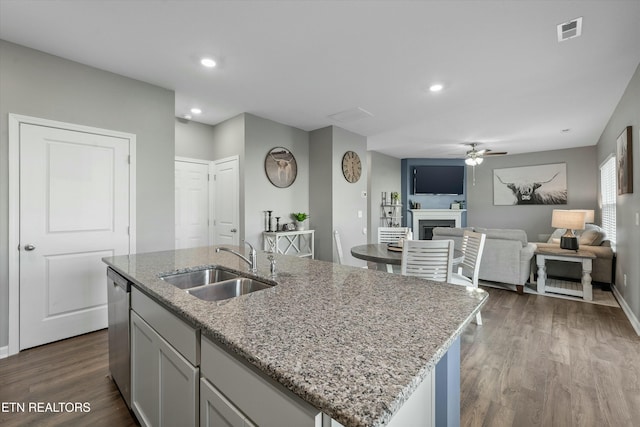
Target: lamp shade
pixel 569 219
pixel 589 215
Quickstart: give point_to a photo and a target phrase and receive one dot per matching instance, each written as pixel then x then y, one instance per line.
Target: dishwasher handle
pixel 118 280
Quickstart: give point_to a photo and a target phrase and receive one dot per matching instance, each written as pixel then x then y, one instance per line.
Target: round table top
pixel 378 252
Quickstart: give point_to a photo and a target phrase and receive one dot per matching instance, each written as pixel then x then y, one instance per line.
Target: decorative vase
pixel 299 225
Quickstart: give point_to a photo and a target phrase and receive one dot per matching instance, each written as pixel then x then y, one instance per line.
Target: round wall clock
pixel 281 167
pixel 351 166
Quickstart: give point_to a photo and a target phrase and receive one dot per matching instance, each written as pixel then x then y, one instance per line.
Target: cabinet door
pixel 217 411
pixel 164 384
pixel 144 372
pixel 178 388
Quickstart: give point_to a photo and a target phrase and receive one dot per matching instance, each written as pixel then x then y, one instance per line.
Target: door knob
pixel 233 230
pixel 29 247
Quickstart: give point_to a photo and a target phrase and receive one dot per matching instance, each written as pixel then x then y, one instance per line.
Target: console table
pixel 299 243
pixel 582 289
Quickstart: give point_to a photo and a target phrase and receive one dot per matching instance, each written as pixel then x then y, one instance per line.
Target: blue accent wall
pixel 428 201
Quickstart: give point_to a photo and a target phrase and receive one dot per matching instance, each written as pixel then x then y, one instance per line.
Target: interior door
pixel 226 204
pixel 74 210
pixel 192 203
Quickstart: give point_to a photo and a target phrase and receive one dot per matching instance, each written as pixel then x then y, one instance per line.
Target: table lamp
pixel 589 215
pixel 570 220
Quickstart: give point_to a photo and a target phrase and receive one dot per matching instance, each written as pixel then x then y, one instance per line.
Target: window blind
pixel 608 194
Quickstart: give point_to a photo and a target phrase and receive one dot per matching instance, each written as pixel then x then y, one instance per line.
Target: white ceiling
pixel 508 82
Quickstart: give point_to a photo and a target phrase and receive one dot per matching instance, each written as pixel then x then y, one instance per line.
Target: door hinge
pixel 128 231
pixel 208 177
pixel 129 159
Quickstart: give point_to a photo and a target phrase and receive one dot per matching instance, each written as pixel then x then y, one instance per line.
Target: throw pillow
pixel 593 236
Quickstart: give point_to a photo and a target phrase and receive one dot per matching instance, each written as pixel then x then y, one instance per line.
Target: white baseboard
pixel 4 352
pixel 627 310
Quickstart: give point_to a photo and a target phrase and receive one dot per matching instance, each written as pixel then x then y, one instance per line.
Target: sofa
pixel 506 257
pixel 592 239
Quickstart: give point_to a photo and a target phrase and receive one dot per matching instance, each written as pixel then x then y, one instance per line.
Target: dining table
pixel 390 255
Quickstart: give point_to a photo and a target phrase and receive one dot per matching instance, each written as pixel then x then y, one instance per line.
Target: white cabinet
pixel 255 398
pixel 217 411
pixel 164 384
pixel 299 243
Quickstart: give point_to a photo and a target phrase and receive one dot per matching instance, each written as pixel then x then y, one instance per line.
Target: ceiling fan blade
pixel 495 153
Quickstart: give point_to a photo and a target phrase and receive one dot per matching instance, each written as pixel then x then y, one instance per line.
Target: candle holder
pixel 269 212
pixel 277 223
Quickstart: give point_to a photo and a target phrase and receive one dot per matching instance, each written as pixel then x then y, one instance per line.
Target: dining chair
pixel 391 234
pixel 467 275
pixel 428 259
pixel 336 237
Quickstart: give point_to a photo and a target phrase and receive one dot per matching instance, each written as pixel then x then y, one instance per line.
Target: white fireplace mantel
pixel 435 214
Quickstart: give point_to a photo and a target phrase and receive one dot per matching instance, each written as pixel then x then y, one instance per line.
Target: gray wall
pixel 384 175
pixel 320 187
pixel 194 140
pixel 347 197
pixel 627 113
pixel 335 201
pixel 582 182
pixel 37 84
pixel 261 135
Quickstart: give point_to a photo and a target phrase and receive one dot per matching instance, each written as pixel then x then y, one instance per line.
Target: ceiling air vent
pixel 570 29
pixel 351 115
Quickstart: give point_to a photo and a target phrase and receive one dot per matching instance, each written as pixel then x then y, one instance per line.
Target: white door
pixel 192 204
pixel 74 210
pixel 227 200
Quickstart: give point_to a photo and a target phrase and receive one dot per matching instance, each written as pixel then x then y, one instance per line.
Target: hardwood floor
pixel 536 361
pixel 541 361
pixel 72 370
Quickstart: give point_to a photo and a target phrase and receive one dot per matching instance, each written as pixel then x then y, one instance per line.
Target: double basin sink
pixel 215 283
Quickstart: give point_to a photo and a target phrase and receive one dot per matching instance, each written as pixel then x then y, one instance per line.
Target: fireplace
pixel 424 220
pixel 426 226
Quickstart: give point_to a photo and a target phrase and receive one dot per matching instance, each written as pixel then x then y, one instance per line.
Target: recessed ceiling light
pixel 436 87
pixel 208 62
pixel 196 111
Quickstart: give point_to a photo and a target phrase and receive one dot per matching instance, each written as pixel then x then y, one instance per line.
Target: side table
pixel 299 243
pixel 582 289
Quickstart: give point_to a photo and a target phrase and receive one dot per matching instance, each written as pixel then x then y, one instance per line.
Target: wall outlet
pixel 637 218
pixel 359 214
pixel 364 231
pixel 624 279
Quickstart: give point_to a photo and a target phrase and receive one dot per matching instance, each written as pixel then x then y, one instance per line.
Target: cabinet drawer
pixel 184 338
pixel 264 401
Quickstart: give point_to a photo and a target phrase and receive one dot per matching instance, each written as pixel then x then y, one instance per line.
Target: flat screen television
pixel 438 180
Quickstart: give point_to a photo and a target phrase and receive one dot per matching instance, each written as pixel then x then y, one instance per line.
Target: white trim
pixel 4 352
pixel 15 120
pixel 627 310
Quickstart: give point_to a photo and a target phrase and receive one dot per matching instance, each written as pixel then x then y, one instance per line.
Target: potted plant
pixel 395 197
pixel 300 217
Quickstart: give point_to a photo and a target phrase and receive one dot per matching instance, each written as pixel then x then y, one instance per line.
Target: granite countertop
pixel 354 343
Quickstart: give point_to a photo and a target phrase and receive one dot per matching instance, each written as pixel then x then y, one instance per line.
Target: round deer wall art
pixel 281 167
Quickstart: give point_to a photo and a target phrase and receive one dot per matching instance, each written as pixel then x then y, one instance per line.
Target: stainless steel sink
pixel 193 279
pixel 228 289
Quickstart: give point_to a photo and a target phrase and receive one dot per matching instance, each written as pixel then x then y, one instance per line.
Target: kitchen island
pixel 353 343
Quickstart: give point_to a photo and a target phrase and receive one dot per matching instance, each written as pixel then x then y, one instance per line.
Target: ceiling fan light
pixel 470 162
pixel 479 160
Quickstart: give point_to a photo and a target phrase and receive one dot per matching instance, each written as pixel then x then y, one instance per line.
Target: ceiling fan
pixel 475 157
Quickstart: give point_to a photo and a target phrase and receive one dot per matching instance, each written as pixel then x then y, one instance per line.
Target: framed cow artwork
pixel 530 185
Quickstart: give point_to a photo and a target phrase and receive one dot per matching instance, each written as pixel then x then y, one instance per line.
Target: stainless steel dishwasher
pixel 119 302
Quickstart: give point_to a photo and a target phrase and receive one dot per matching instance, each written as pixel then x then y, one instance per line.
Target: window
pixel 608 193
